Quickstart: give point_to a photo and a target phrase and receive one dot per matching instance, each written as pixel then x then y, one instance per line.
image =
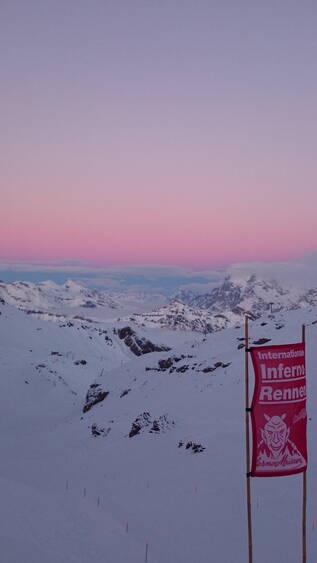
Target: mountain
pixel 223 307
pixel 178 316
pixel 72 298
pixel 111 455
pixel 49 294
pixel 253 295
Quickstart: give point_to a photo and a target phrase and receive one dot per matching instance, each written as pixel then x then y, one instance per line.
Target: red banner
pixel 278 411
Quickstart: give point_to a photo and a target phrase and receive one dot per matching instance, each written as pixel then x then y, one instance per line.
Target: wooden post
pixel 304 538
pixel 304 516
pixel 247 436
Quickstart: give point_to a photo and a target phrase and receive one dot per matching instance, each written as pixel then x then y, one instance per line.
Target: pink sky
pixel 130 137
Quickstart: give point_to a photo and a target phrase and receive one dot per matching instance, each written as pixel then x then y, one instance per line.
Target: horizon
pixel 163 279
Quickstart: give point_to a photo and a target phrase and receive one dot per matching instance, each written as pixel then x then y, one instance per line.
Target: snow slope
pixel 75 487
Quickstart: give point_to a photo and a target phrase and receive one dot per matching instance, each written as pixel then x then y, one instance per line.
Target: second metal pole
pixel 247 436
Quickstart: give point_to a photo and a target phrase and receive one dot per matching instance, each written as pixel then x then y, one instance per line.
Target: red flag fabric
pixel 278 410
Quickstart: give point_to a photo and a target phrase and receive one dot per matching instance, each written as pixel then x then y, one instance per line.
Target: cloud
pixel 158 279
pixel 166 280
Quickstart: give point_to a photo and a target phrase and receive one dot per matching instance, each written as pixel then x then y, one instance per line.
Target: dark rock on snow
pixel 137 344
pixel 95 395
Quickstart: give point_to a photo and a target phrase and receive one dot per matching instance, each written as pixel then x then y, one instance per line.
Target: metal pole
pixel 247 436
pixel 304 513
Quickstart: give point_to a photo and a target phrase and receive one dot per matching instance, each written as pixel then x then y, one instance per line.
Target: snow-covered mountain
pixel 250 294
pixel 178 316
pixel 223 307
pixel 109 454
pixel 226 305
pixel 72 298
pixel 49 294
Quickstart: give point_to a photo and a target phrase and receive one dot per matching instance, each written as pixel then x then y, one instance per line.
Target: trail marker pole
pixel 247 437
pixel 146 551
pixel 304 514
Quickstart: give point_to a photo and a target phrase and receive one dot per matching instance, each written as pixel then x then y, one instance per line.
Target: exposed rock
pixel 208 369
pixel 89 305
pixel 169 364
pixel 95 395
pixel 140 422
pixel 139 345
pixel 182 369
pixel 216 366
pixel 261 341
pixel 196 448
pixel 166 364
pixel 99 430
pixel 159 425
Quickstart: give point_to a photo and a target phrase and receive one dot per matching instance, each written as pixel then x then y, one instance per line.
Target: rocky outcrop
pixel 171 365
pixel 196 448
pixel 142 421
pixel 95 395
pixel 157 425
pixel 137 344
pixel 99 430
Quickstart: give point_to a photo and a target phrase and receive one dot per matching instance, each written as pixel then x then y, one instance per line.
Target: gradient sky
pixel 158 131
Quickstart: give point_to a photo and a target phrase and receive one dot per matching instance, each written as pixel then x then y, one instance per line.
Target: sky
pixel 170 132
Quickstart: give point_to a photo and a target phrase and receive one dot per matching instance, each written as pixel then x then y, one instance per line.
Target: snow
pixel 69 496
pixel 178 316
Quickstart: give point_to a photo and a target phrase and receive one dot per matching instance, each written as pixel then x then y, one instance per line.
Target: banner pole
pixel 304 539
pixel 247 436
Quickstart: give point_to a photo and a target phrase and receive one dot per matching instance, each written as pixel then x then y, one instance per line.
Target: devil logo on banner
pixel 276 450
pixel 279 411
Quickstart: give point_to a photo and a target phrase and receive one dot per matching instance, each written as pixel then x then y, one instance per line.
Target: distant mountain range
pixel 225 305
pixel 222 307
pixel 71 298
